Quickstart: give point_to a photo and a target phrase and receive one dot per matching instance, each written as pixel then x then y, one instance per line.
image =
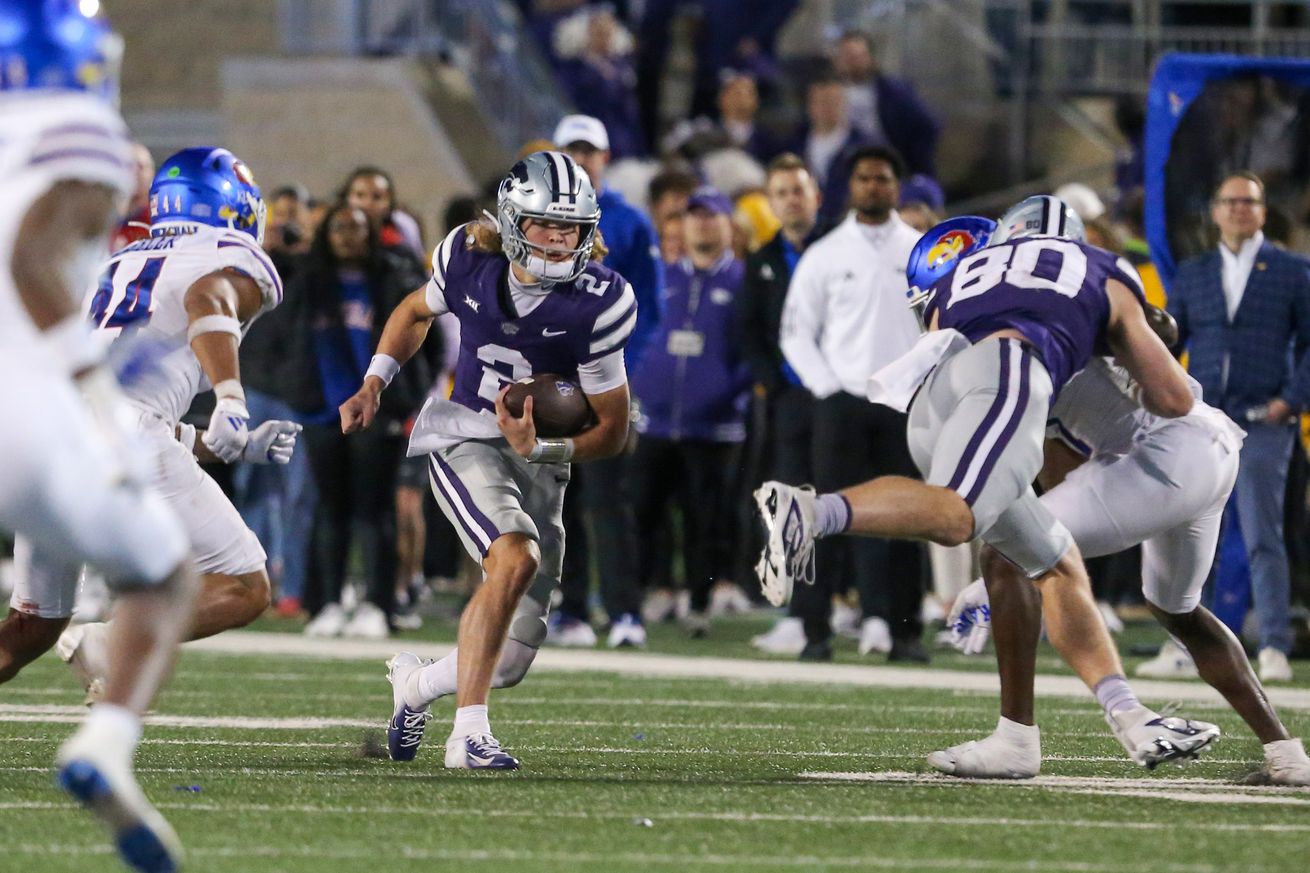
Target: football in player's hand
pixel 559 408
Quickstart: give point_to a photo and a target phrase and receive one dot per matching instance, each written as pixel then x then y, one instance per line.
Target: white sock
pixel 471 720
pixel 1023 734
pixel 436 680
pixel 121 724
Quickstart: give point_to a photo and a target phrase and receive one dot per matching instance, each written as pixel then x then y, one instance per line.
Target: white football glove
pixel 227 435
pixel 273 442
pixel 970 619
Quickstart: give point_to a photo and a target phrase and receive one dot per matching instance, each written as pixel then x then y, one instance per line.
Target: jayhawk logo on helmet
pixel 948 247
pixel 939 250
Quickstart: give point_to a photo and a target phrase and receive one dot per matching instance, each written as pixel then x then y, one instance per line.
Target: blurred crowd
pixel 768 261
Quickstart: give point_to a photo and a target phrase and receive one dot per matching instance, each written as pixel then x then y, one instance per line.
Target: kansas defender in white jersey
pixel 69 483
pixel 187 294
pixel 530 297
pixel 1162 483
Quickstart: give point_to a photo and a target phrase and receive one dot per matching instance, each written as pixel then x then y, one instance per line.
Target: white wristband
pixel 213 324
pixel 230 388
pixel 384 367
pixel 73 344
pixel 186 435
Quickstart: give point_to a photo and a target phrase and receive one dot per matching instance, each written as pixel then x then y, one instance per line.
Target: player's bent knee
pixel 516 556
pixel 955 522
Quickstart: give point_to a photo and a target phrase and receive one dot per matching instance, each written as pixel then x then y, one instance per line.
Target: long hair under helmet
pixel 548 186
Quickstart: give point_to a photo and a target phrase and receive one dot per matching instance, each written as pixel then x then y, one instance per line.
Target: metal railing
pixel 1039 57
pixel 484 39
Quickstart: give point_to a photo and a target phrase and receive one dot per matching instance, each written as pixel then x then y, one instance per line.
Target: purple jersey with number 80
pixel 1049 289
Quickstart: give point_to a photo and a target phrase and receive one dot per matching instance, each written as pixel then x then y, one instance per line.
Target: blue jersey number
pixel 135 307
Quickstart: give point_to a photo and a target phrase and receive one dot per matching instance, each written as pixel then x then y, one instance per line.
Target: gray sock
pixel 1114 695
pixel 832 515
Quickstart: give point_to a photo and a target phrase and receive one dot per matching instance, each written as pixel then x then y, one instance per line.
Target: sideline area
pixel 734 669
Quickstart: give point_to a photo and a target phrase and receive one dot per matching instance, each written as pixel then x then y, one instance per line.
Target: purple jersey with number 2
pixel 1049 289
pixel 575 324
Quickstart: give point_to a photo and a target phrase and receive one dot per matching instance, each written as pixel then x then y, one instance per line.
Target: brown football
pixel 559 408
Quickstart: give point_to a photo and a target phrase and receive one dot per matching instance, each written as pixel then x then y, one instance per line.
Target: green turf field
pixel 258 763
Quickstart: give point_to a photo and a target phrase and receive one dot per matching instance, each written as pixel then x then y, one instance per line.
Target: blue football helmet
pixel 206 185
pixel 1040 215
pixel 53 44
pixel 939 250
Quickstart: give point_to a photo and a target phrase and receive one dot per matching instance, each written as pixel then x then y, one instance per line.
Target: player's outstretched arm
pixel 1165 391
pixel 403 334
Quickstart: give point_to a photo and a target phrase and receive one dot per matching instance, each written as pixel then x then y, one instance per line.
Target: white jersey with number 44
pixel 142 292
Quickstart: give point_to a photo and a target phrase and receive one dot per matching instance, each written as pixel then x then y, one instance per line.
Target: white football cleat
pixel 97 772
pixel 405 729
pixel 787 637
pixel 329 622
pixel 1274 666
pixel 875 636
pixel 85 649
pixel 1013 751
pixel 478 752
pixel 788 555
pixel 1173 662
pixel 1151 739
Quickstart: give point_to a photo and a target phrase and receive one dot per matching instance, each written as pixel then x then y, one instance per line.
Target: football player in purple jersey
pixel 531 297
pixel 1008 325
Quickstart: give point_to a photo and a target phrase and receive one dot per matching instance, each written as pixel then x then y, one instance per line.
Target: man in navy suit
pixel 1243 312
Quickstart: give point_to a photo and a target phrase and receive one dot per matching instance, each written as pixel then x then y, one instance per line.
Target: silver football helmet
pixel 1042 215
pixel 552 187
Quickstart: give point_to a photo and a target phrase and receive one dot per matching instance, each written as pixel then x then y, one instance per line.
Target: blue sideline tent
pixel 1178 81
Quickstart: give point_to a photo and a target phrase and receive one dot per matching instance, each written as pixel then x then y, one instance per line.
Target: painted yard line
pixel 1224 797
pixel 609 859
pixel 893 777
pixel 986 705
pixel 17 712
pixel 742 817
pixel 612 750
pixel 682 666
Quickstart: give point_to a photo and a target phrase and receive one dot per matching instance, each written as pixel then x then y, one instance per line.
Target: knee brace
pixel 527 631
pixel 528 626
pixel 515 659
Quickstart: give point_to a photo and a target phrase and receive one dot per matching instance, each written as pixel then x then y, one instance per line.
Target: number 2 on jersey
pixel 136 303
pixel 1051 265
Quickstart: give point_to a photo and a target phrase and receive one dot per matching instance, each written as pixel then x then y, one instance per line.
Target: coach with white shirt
pixel 845 317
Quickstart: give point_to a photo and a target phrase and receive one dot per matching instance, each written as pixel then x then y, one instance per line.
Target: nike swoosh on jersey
pixel 548 332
